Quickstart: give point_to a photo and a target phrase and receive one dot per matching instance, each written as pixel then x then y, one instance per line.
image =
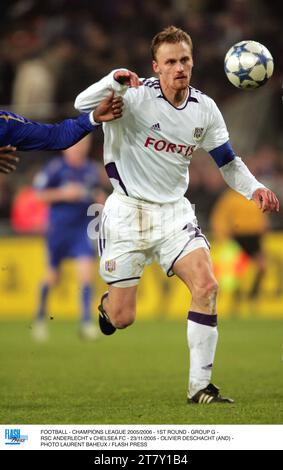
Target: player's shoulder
pixel 151 83
pixel 3 126
pixel 149 88
pixel 8 116
pixel 4 114
pixel 203 99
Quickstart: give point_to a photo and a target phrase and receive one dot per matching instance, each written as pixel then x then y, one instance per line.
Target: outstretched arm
pixel 233 169
pixel 28 135
pixel 109 108
pixel 117 81
pixel 238 177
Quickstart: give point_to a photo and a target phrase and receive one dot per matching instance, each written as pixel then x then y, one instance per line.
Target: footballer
pixel 147 153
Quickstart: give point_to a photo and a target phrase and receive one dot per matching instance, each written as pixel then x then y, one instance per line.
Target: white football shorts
pixel 133 233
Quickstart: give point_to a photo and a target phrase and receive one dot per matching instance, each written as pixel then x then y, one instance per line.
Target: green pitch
pixel 138 375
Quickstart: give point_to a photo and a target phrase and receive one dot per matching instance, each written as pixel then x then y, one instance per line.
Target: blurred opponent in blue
pixel 69 184
pixel 18 133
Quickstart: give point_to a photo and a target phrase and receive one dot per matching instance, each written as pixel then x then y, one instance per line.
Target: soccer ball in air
pixel 248 64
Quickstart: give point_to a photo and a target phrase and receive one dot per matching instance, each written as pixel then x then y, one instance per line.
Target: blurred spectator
pixel 233 217
pixel 36 80
pixel 69 184
pixel 29 214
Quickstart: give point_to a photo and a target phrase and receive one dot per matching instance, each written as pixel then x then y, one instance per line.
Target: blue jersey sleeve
pixel 28 135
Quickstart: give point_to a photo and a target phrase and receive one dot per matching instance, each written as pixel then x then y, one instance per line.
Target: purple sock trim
pixel 203 318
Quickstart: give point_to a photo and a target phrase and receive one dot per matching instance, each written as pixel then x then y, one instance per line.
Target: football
pixel 248 65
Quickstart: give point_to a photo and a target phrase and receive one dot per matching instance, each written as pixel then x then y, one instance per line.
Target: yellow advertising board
pixel 22 265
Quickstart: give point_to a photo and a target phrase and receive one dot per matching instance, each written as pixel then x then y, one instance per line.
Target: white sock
pixel 202 341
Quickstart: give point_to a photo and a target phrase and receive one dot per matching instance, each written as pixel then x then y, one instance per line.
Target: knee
pixel 122 318
pixel 206 291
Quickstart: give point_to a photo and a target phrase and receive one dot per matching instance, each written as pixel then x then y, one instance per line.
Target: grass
pixel 138 375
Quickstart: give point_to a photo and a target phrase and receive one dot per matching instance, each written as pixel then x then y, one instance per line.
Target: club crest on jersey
pixel 110 265
pixel 156 127
pixel 198 132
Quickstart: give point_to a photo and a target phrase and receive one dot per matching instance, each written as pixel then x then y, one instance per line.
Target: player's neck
pixel 175 97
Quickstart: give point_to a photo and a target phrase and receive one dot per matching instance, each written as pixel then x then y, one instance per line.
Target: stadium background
pixel 50 52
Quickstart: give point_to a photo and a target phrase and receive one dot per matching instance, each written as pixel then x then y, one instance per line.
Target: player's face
pixel 173 64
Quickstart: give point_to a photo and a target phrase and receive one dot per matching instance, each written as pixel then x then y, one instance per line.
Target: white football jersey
pixel 147 152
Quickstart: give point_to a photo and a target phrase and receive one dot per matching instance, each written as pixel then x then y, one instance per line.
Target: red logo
pixel 165 146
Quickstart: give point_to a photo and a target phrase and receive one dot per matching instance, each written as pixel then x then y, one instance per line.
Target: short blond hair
pixel 172 35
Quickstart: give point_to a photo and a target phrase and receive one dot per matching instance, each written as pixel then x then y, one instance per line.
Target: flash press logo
pixel 13 437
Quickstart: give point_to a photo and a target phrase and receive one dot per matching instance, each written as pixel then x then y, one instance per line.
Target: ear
pixel 155 67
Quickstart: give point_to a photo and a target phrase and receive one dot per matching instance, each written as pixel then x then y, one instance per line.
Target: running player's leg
pixel 56 253
pixel 195 270
pixel 117 309
pixel 50 280
pixel 122 260
pixel 260 262
pixel 84 265
pixel 184 251
pixel 120 306
pixel 39 328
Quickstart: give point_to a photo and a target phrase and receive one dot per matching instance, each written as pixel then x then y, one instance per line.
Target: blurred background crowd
pixel 52 50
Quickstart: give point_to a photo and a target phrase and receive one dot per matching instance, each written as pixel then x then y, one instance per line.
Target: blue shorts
pixel 68 244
